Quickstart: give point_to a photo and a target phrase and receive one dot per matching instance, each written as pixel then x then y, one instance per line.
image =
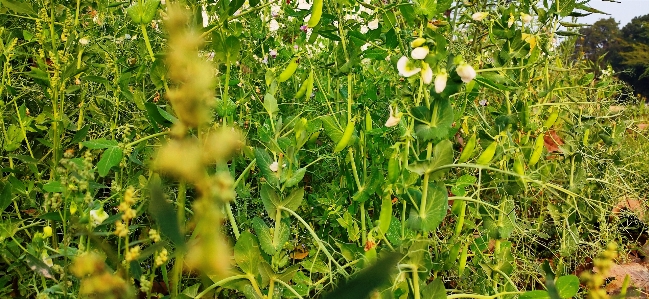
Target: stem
pixel 481 296
pixel 219 283
pixel 278 222
pixel 147 42
pixel 235 228
pixel 146 138
pixel 424 193
pixel 415 282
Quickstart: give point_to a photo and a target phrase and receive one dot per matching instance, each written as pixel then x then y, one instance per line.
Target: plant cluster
pixel 296 149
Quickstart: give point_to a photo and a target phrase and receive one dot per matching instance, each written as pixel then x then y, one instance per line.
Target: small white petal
pixel 440 82
pixel 526 18
pixel 98 216
pixel 303 5
pixel 419 53
pixel 273 26
pixel 274 166
pixel 466 72
pixel 479 16
pixel 364 29
pixel 405 67
pixel 427 74
pixel 373 24
pixel 393 120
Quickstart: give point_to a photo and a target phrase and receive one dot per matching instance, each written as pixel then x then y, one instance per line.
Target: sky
pixel 622 12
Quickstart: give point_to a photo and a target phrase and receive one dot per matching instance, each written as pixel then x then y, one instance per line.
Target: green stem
pixel 233 222
pixel 219 283
pixel 415 282
pixel 278 222
pixel 146 138
pixel 147 42
pixel 424 193
pixel 481 296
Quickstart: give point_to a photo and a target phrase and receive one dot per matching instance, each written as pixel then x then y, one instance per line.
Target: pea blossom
pixel 98 216
pixel 440 81
pixel 466 72
pixel 395 117
pixel 526 18
pixel 373 24
pixel 406 67
pixel 426 73
pixel 419 53
pixel 479 16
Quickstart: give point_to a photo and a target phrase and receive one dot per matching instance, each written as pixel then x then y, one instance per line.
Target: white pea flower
pixel 364 29
pixel 479 16
pixel 466 72
pixel 395 117
pixel 373 24
pixel 303 5
pixel 406 67
pixel 526 18
pixel 440 81
pixel 426 73
pixel 98 216
pixel 419 53
pixel 84 41
pixel 275 10
pixel 206 18
pixel 307 18
pixel 273 25
pixel 365 47
pixel 274 166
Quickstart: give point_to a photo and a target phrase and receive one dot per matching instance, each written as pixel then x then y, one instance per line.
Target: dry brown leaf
pixel 643 127
pixel 638 273
pixel 552 141
pixel 630 204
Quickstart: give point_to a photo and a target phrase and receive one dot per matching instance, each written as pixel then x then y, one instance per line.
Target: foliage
pixel 272 149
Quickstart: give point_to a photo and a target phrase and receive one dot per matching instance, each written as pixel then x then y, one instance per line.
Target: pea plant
pixel 310 149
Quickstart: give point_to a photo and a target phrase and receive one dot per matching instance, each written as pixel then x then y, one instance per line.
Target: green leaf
pixel 434 290
pixel 434 210
pixel 263 163
pixel 14 138
pixel 270 103
pixel 297 177
pixel 233 47
pixel 263 234
pixel 567 286
pixel 294 200
pixel 538 294
pixel 247 254
pixel 80 135
pixel 37 265
pixel 270 199
pixel 435 124
pixel 143 14
pixel 331 128
pixel 376 54
pixel 192 291
pixel 99 143
pixel 21 7
pixel 386 215
pixel 54 186
pixel 5 197
pixel 111 157
pixel 165 215
pixel 367 280
pixel 442 155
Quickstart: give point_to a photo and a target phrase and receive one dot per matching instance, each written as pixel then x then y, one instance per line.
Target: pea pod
pixel 316 13
pixel 586 134
pixel 289 70
pixel 519 168
pixel 347 135
pixel 394 169
pixel 551 119
pixel 538 150
pixel 309 86
pixel 467 152
pixel 454 253
pixel 368 120
pixel 300 92
pixel 463 257
pixel 488 154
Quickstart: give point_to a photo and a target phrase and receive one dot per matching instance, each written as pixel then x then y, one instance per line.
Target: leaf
pixel 435 124
pixel 265 238
pixel 435 290
pixel 54 186
pixel 80 135
pixel 567 286
pixel 386 215
pixel 270 199
pixel 297 177
pixel 247 254
pixel 442 155
pixel 99 143
pixel 331 128
pixel 5 197
pixel 143 13
pixel 38 266
pixel 294 200
pixel 315 265
pixel 165 215
pixel 14 138
pixel 270 103
pixel 233 47
pixel 111 157
pixel 431 215
pixel 367 280
pixel 376 54
pixel 552 141
pixel 192 291
pixel 21 7
pixel 263 163
pixel 538 294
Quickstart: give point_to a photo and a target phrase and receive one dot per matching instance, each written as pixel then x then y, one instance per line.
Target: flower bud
pixel 526 18
pixel 47 231
pixel 394 119
pixel 418 42
pixel 466 72
pixel 426 74
pixel 440 82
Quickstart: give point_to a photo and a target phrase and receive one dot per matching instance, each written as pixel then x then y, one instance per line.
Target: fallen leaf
pixel 638 273
pixel 626 203
pixel 552 141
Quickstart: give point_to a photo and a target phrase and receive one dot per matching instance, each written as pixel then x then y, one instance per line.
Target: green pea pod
pixel 316 13
pixel 467 152
pixel 586 135
pixel 300 92
pixel 453 253
pixel 347 135
pixel 488 154
pixel 519 168
pixel 463 257
pixel 309 86
pixel 368 120
pixel 289 70
pixel 538 150
pixel 551 119
pixel 394 169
